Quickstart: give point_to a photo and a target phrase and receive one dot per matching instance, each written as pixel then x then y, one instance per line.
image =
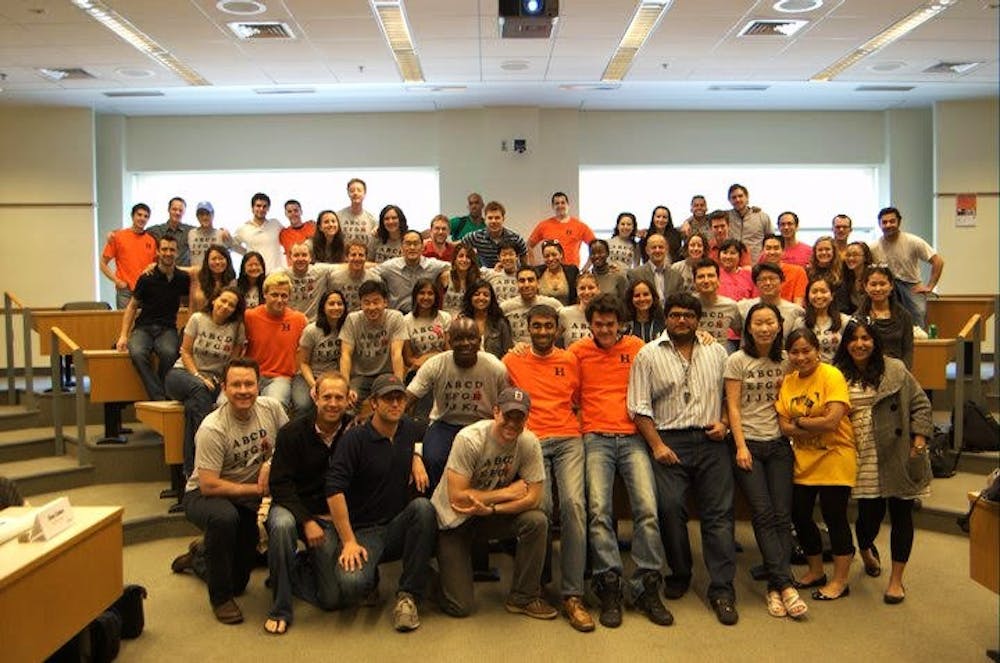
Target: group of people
pixel 443 387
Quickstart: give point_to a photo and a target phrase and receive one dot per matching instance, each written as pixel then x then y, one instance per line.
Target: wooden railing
pixel 13 306
pixel 61 344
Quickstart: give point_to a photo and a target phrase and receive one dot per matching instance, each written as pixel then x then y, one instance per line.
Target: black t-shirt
pixel 159 297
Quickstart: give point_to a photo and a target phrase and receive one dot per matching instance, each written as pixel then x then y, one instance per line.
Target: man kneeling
pixel 368 497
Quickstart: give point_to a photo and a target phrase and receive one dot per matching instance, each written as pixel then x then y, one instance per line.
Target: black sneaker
pixel 674 587
pixel 608 587
pixel 725 610
pixel 650 604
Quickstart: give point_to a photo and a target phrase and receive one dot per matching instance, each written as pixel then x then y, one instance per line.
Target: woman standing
pixel 426 325
pixel 893 322
pixel 644 311
pixel 812 410
pixel 212 337
pixel 623 247
pixel 825 261
pixel 857 257
pixel 215 273
pixel 694 250
pixel 480 304
pixel 554 278
pixel 823 318
pixel 319 347
pixel 764 457
pixel 735 282
pixel 328 242
pixel 464 271
pixel 891 416
pixel 388 240
pixel 609 278
pixel 661 222
pixel 573 318
pixel 250 282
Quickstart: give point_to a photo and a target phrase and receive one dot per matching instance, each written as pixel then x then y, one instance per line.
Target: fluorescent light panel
pixel 645 19
pixel 139 40
pixel 391 15
pixel 895 31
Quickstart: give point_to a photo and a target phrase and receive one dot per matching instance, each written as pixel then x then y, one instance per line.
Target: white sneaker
pixel 404 615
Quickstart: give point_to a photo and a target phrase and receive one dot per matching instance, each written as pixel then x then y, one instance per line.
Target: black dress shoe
pixel 820 596
pixel 818 582
pixel 725 611
pixel 889 599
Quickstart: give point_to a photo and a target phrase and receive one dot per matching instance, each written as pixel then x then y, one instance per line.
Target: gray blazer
pixel 673 281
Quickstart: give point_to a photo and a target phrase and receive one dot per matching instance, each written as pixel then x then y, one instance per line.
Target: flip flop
pixel 275 626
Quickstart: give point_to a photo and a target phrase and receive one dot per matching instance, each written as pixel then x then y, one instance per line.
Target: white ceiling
pixel 340 53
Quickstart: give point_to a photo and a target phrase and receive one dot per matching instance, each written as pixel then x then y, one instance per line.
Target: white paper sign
pixel 51 519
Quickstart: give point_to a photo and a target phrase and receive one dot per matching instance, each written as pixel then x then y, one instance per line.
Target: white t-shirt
pixel 904 255
pixel 264 240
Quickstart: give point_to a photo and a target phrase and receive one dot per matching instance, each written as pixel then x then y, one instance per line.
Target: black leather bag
pixel 129 608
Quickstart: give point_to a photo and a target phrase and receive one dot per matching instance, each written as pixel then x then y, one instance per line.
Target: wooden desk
pixel 984 538
pixel 113 378
pixel 951 312
pixel 50 590
pixel 930 361
pixel 167 419
pixel 91 330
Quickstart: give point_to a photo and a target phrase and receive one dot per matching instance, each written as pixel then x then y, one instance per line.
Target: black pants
pixel 230 549
pixel 833 506
pixel 870 515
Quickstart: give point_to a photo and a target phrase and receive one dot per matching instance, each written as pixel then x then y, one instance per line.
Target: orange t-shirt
pixel 132 253
pixel 570 234
pixel 273 341
pixel 552 382
pixel 794 285
pixel 289 237
pixel 604 384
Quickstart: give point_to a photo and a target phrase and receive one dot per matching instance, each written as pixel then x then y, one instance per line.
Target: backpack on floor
pixel 981 432
pixel 105 637
pixel 129 608
pixel 942 467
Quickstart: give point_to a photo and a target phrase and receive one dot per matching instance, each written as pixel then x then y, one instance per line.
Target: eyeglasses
pixel 682 315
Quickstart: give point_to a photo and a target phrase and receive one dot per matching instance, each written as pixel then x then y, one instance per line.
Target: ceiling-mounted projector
pixel 528 19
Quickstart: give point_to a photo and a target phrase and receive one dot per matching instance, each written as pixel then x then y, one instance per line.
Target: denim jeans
pixel 122 296
pixel 145 341
pixel 437 446
pixel 768 489
pixel 529 527
pixel 198 402
pixel 915 303
pixel 301 396
pixel 707 464
pixel 230 549
pixel 277 387
pixel 629 457
pixel 321 580
pixel 564 461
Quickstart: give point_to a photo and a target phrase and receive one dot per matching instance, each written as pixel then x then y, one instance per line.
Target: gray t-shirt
pixel 322 350
pixel 516 311
pixel 379 252
pixel 490 465
pixel 904 255
pixel 829 340
pixel 199 239
pixel 308 288
pixel 461 395
pixel 341 279
pixel 370 344
pixel 504 284
pixel 760 378
pixel 358 227
pixel 683 267
pixel 573 322
pixel 236 448
pixel 213 344
pixel 623 253
pixel 427 335
pixel 793 316
pixel 720 318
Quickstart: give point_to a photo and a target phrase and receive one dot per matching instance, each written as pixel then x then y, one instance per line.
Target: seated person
pixel 371 340
pixel 273 332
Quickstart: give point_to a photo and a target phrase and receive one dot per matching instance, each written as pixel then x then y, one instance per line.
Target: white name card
pixel 51 519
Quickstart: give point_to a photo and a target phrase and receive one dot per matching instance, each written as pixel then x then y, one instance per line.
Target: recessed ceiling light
pixel 241 7
pixel 797 6
pixel 514 65
pixel 882 67
pixel 134 72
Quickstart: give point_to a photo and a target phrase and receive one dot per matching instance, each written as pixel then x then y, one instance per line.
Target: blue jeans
pixel 122 295
pixel 301 397
pixel 277 387
pixel 768 489
pixel 707 464
pixel 198 402
pixel 914 303
pixel 411 536
pixel 437 446
pixel 629 457
pixel 230 549
pixel 563 458
pixel 145 341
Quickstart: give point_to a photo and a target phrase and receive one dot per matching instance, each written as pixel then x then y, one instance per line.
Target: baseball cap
pixel 387 383
pixel 512 398
pixel 205 205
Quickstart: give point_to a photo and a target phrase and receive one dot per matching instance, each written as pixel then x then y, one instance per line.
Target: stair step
pixel 13 417
pixel 40 475
pixel 26 443
pixel 948 501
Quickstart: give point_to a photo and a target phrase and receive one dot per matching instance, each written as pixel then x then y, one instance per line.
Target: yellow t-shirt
pixel 828 459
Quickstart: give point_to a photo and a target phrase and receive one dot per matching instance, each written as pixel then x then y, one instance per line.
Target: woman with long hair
pixel 250 282
pixel 623 246
pixel 694 249
pixel 319 347
pixel 823 317
pixel 825 261
pixel 893 321
pixel 207 280
pixel 891 416
pixel 735 282
pixel 212 336
pixel 480 304
pixel 388 240
pixel 812 405
pixel 464 270
pixel 857 257
pixel 661 222
pixel 328 242
pixel 764 457
pixel 554 278
pixel 644 311
pixel 573 318
pixel 426 324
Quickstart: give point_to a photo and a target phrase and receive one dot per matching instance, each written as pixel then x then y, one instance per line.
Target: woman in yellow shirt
pixel 812 407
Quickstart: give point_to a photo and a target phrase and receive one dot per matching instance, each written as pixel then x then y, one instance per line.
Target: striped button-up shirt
pixel 489 248
pixel 674 392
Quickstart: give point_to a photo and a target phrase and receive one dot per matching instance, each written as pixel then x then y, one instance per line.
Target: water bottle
pixel 932 331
